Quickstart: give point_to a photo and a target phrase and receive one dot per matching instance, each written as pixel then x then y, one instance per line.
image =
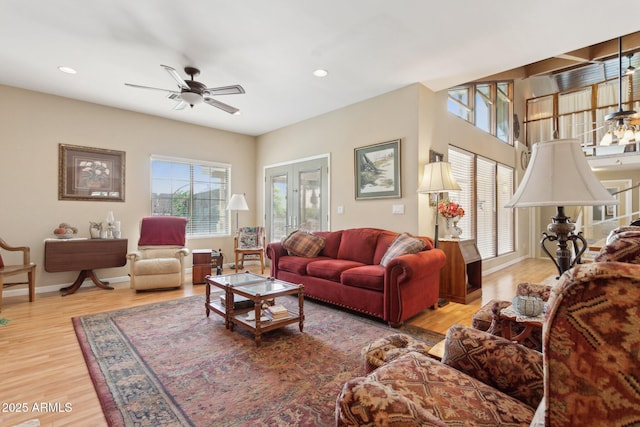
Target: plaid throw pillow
pixel 404 244
pixel 301 243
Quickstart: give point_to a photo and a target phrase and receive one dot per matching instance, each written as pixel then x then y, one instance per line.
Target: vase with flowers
pixel 452 212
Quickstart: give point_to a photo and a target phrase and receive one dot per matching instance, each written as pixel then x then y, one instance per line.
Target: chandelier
pixel 620 130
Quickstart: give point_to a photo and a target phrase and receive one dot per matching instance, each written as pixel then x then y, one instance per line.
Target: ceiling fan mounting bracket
pixel 191 71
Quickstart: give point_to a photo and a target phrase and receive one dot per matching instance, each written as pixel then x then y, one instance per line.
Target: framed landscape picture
pixel 377 170
pixel 86 173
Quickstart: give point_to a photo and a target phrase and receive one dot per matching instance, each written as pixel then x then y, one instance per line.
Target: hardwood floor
pixel 43 375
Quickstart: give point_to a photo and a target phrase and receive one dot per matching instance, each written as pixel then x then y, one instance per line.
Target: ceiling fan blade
pixel 224 90
pixel 180 105
pixel 221 105
pixel 181 83
pixel 148 87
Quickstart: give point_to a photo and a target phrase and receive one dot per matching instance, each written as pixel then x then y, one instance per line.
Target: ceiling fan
pixel 192 92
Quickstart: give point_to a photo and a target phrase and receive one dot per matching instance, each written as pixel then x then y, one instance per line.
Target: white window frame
pixel 205 192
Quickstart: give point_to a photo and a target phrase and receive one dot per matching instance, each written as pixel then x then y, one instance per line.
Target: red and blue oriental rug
pixel 167 364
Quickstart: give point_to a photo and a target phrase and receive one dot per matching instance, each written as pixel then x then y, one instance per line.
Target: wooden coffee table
pixel 258 290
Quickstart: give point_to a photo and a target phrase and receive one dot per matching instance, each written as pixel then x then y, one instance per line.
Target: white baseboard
pixel 24 290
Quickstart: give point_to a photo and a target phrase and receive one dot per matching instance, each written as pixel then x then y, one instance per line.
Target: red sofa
pixel 347 273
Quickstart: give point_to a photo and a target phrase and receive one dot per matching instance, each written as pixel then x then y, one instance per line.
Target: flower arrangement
pixel 449 209
pixel 95 172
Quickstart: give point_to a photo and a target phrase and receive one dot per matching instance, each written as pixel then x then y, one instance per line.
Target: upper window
pixel 489 106
pixel 192 189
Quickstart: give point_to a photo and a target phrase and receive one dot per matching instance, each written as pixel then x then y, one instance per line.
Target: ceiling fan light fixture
pixel 191 98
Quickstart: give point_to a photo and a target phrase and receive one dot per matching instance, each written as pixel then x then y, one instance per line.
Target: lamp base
pixel 563 230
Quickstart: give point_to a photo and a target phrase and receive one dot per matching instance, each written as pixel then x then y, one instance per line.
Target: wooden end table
pixel 509 315
pixel 258 290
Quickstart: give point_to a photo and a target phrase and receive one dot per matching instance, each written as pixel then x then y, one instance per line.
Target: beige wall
pixel 338 133
pixel 33 125
pixel 38 123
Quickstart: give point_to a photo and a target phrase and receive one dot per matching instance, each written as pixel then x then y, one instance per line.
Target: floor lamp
pixel 559 175
pixel 437 178
pixel 237 203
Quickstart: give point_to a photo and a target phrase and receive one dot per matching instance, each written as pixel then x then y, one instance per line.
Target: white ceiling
pixel 271 48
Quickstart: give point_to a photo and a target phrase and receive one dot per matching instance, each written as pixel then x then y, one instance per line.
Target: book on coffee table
pixel 238 302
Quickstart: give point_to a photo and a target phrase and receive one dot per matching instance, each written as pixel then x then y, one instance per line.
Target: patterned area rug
pixel 168 364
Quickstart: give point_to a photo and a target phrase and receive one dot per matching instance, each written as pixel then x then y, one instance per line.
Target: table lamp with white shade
pixel 559 175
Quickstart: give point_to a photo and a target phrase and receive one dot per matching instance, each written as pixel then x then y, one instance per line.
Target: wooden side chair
pixel 249 241
pixel 27 267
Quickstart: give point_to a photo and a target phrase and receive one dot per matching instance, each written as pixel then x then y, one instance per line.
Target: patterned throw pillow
pixel 301 243
pixel 404 244
pixel 249 237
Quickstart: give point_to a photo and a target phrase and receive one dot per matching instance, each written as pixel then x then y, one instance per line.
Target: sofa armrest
pixel 509 367
pixel 274 252
pixel 365 401
pixel 412 283
pixel 134 256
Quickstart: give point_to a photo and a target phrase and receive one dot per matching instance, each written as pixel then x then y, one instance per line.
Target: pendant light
pixel 622 132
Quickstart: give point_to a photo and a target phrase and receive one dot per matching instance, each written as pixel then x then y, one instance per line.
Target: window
pixel 578 113
pixel 459 102
pixel 486 186
pixel 489 106
pixel 192 189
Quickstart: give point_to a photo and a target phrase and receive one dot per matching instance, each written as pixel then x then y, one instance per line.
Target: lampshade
pixel 437 178
pixel 237 203
pixel 559 175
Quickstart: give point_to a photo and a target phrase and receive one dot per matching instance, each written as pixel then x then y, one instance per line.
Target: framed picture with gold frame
pixel 87 173
pixel 377 170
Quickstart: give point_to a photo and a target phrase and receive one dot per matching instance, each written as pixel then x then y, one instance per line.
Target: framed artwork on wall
pixel 87 173
pixel 377 170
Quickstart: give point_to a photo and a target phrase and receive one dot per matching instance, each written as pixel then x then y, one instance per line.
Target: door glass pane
pixel 278 207
pixel 486 205
pixel 310 201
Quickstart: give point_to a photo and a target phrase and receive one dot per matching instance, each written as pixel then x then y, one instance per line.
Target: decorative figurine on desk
pixel 110 224
pixel 95 228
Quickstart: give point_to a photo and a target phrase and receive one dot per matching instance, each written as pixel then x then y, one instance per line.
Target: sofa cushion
pixel 358 244
pixel 366 276
pixel 156 266
pixel 512 369
pixel 301 243
pixel 331 242
pixel 385 239
pixel 404 244
pixel 296 264
pixel 330 269
pixel 432 388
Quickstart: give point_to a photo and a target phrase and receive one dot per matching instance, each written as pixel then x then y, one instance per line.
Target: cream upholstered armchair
pixel 159 261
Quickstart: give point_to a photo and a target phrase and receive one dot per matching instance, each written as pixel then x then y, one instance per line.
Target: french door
pixel 296 198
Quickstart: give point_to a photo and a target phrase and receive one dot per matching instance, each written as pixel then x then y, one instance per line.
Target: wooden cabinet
pixel 204 262
pixel 461 277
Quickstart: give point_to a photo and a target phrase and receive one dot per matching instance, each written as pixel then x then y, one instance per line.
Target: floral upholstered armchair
pixel 587 374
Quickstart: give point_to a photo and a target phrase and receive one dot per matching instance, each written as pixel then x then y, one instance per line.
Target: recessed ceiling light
pixel 67 70
pixel 320 73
